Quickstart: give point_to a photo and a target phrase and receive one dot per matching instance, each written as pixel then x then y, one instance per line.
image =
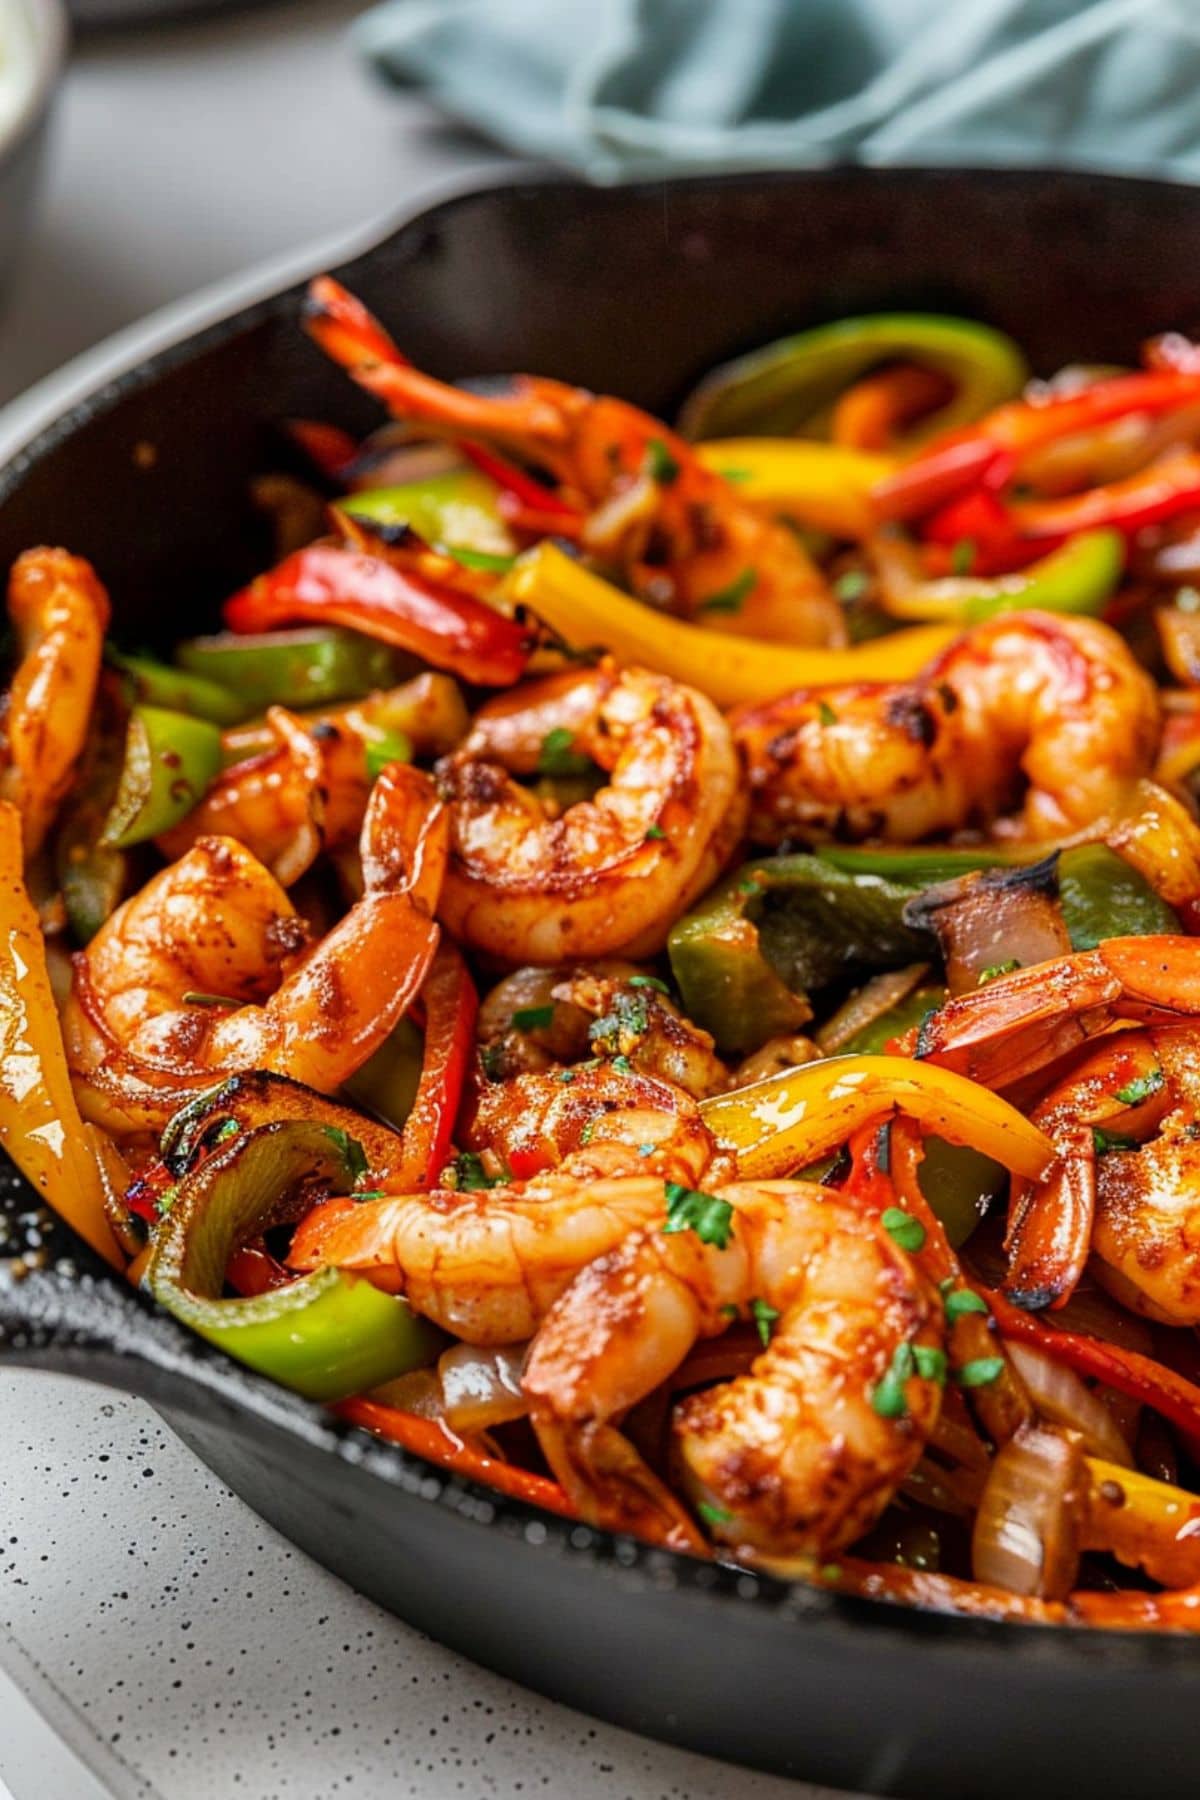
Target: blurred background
pixel 175 150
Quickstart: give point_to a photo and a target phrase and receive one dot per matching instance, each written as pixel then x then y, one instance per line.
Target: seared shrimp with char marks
pixel 59 612
pixel 529 884
pixel 1059 703
pixel 183 983
pixel 799 1454
pixel 684 536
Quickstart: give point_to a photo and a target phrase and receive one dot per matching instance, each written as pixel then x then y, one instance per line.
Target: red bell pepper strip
pixel 1153 494
pixel 1131 1373
pixel 328 585
pixel 438 1444
pixel 451 1005
pixel 253 1270
pixel 532 496
pixel 963 459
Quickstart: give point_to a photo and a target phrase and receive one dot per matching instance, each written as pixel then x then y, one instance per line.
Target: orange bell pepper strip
pixel 451 1005
pixel 437 1444
pixel 40 1125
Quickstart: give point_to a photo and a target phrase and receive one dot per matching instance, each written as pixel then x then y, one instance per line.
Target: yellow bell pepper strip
pixel 584 611
pixel 40 1126
pixel 171 760
pixel 91 874
pixel 1145 1524
pixel 304 667
pixel 791 1119
pixel 823 487
pixel 327 1334
pixel 1078 577
pixel 782 387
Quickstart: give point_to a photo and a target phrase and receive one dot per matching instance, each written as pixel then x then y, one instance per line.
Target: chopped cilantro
pixel 194 998
pixel 1106 1141
pixel 730 1311
pixel 887 1396
pixel 351 1149
pixel 622 1065
pixel 764 1317
pixel 851 585
pixel 533 1018
pixel 826 713
pixel 369 1194
pixel 647 1149
pixel 995 970
pixel 962 556
pixel 981 1372
pixel 557 758
pixel 661 466
pixel 1141 1087
pixel 729 599
pixel 749 886
pixel 902 1228
pixel 392 747
pixel 566 1076
pixel 166 1200
pixel 471 1174
pixel 228 1128
pixel 585 1136
pixel 710 1217
pixel 620 1028
pixel 648 981
pixel 654 834
pixel 713 1515
pixel 931 1363
pixel 965 1301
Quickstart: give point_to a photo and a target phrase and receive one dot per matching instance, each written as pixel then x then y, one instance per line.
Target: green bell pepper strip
pixel 779 389
pixel 90 873
pixel 171 760
pixel 1079 577
pixel 874 1038
pixel 1101 895
pixel 745 960
pixel 304 667
pixel 456 512
pixel 327 1334
pixel 153 683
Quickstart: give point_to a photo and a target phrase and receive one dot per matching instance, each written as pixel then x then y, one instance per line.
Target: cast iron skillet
pixel 637 291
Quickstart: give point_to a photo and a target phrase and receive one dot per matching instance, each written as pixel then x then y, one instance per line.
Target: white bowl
pixel 33 45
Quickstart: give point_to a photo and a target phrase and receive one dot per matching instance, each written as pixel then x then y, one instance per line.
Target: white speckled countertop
pixel 156 1639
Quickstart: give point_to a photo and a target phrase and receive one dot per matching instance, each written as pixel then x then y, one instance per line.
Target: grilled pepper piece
pixel 327 1334
pixel 170 762
pixel 746 959
pixel 1079 577
pixel 456 512
pixel 290 668
pixel 158 684
pixel 784 387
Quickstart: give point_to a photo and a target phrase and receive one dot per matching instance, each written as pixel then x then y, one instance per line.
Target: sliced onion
pixel 1062 1397
pixel 868 1003
pixel 1026 1530
pixel 481 1388
pixel 993 919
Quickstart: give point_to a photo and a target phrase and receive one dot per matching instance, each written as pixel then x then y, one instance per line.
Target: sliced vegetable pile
pixel 657 968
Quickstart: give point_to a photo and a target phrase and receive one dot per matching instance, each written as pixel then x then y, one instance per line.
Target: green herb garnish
pixel 826 713
pixel 533 1018
pixel 557 758
pixel 962 1302
pixel 851 585
pixel 902 1228
pixel 710 1217
pixel 351 1149
pixel 981 1372
pixel 654 834
pixel 962 557
pixel 648 981
pixel 764 1317
pixel 1141 1087
pixel 194 998
pixel 931 1363
pixel 887 1396
pixel 713 1515
pixel 471 1174
pixel 994 971
pixel 661 466
pixel 1107 1141
pixel 729 599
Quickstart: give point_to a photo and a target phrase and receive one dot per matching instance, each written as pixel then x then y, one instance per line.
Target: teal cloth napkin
pixel 620 88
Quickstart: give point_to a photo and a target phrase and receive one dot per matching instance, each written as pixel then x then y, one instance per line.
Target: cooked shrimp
pixel 685 537
pixel 1024 1021
pixel 798 1454
pixel 1127 1185
pixel 184 983
pixel 488 1266
pixel 1059 703
pixel 535 1121
pixel 607 874
pixel 287 804
pixel 536 1018
pixel 59 612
